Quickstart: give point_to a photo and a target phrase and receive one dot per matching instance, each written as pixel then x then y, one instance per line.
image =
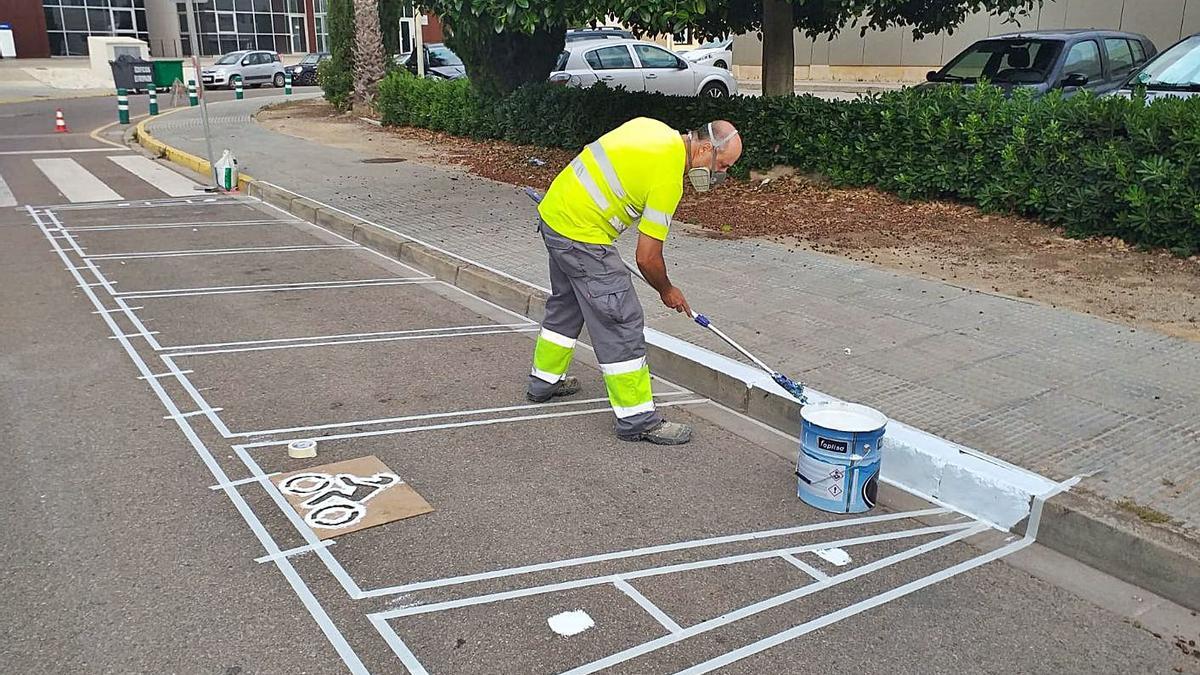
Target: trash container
pixel 132 74
pixel 166 71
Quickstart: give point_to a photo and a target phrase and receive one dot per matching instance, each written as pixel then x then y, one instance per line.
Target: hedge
pixel 1094 166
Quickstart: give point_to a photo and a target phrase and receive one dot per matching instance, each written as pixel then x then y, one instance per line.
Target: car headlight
pixel 297 70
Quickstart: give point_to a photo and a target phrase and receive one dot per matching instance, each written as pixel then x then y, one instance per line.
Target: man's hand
pixel 673 298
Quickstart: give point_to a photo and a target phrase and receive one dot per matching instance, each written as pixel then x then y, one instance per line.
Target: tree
pixel 368 50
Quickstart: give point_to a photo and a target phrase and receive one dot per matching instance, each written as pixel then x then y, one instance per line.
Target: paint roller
pixel 796 389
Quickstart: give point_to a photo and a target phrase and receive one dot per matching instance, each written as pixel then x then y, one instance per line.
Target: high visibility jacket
pixel 632 174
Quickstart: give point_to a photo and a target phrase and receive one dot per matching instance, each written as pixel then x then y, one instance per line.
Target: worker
pixel 632 175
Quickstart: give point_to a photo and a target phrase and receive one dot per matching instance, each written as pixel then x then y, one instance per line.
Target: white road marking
pixel 75 182
pixel 170 182
pixel 394 338
pixel 258 288
pixel 59 152
pixel 243 481
pixel 220 251
pixel 307 548
pixel 6 195
pixel 804 567
pixel 651 608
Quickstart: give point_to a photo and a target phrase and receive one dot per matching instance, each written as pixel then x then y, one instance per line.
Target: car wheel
pixel 714 90
pixel 721 64
pixel 278 80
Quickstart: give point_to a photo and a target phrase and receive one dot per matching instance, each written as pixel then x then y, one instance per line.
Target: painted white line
pixel 171 226
pixel 310 602
pixel 108 285
pixel 158 375
pixel 115 310
pixel 737 615
pixel 651 608
pixel 262 288
pixel 414 331
pixel 164 202
pixel 135 320
pixel 307 548
pixel 166 180
pixel 6 195
pixel 219 251
pixel 472 423
pixel 60 152
pixel 394 338
pixel 75 183
pixel 958 528
pixel 439 415
pixel 804 567
pixel 661 548
pixel 401 650
pixel 244 481
pixel 197 398
pixel 193 413
pixel 856 608
pixel 82 285
pixel 133 335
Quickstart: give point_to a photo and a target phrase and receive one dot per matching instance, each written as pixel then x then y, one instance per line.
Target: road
pixel 162 346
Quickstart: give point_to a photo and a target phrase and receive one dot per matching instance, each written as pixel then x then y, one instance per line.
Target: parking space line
pixel 197 397
pixel 167 181
pixel 218 251
pixel 401 650
pixel 437 415
pixel 114 310
pixel 66 236
pixel 193 413
pixel 262 288
pixel 307 548
pixel 6 195
pixel 394 338
pixel 447 329
pixel 158 375
pixel 804 567
pixel 75 183
pixel 168 226
pixel 165 202
pixel 651 608
pixel 244 481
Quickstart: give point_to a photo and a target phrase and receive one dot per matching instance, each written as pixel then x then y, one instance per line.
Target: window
pixel 653 57
pixel 1013 61
pixel 610 58
pixel 1120 55
pixel 1139 52
pixel 225 22
pixel 1179 66
pixel 561 64
pixel 99 21
pixel 1084 58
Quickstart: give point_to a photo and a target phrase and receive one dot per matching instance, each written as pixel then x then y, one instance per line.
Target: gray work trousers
pixel 589 284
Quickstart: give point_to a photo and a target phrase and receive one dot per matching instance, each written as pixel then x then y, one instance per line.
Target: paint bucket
pixel 838 466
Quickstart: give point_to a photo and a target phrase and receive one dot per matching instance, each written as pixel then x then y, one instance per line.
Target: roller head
pixel 794 388
pixel 701 319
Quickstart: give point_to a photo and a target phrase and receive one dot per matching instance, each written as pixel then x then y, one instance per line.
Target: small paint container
pixel 838 465
pixel 303 449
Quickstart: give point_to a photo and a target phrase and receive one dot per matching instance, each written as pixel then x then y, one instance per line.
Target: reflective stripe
pixel 656 216
pixel 622 413
pixel 632 212
pixel 557 338
pixel 618 224
pixel 585 179
pixel 623 366
pixel 606 168
pixel 547 377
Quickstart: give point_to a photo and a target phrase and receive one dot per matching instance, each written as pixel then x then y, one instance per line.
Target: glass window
pixel 122 3
pixel 96 3
pixel 319 8
pixel 280 22
pixel 58 44
pixel 281 43
pixel 1139 52
pixel 141 23
pixel 77 43
pixel 610 58
pixel 1084 58
pixel 53 18
pixel 1023 61
pixel 262 24
pixel 1179 66
pixel 442 56
pixel 74 19
pixel 208 22
pixel 265 41
pixel 76 3
pixel 99 21
pixel 277 6
pixel 296 6
pixel 653 57
pixel 225 22
pixel 245 24
pixel 262 5
pixel 1120 55
pixel 123 19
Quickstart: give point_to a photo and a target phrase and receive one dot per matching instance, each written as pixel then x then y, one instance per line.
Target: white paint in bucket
pixel 835 556
pixel 848 417
pixel 570 623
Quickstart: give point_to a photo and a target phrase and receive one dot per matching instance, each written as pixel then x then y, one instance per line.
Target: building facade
pixel 893 55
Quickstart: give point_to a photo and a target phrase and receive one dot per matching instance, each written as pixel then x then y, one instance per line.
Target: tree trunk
pixel 498 63
pixel 779 52
pixel 368 50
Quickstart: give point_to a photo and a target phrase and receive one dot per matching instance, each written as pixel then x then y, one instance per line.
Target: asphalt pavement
pixel 159 353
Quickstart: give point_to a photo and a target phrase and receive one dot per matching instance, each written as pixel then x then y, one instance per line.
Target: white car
pixel 634 65
pixel 718 53
pixel 1175 73
pixel 253 67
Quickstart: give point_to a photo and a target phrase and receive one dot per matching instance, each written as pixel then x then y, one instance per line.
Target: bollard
pixel 238 94
pixel 287 83
pixel 193 100
pixel 153 100
pixel 122 107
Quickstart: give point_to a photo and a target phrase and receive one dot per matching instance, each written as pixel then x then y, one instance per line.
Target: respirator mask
pixel 705 178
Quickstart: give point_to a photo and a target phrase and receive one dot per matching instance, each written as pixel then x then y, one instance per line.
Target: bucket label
pixel 830 445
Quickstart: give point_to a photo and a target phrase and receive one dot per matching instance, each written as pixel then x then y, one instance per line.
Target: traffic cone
pixel 60 124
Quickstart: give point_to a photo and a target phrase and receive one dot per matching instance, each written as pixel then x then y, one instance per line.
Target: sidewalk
pixel 1053 391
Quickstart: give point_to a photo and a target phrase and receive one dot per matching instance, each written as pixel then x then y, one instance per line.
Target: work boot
pixel 567 386
pixel 666 433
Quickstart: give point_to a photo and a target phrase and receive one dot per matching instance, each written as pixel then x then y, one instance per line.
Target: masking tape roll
pixel 304 449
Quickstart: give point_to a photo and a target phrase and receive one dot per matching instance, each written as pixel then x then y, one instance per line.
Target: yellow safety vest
pixel 632 173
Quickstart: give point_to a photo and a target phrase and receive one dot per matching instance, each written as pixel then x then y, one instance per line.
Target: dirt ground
pixel 938 240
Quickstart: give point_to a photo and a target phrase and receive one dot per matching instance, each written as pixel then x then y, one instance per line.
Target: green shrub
pixel 337 81
pixel 1108 166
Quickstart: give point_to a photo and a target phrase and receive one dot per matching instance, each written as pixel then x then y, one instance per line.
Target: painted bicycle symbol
pixel 339 500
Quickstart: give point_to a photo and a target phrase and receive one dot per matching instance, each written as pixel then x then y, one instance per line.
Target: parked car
pixel 718 53
pixel 639 66
pixel 440 62
pixel 1175 72
pixel 598 33
pixel 1099 61
pixel 253 67
pixel 305 72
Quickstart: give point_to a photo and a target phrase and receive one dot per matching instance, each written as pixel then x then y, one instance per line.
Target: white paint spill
pixel 570 623
pixel 835 556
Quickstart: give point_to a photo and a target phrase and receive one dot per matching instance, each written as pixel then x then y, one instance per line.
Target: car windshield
pixel 1011 61
pixel 309 59
pixel 1177 67
pixel 230 59
pixel 442 56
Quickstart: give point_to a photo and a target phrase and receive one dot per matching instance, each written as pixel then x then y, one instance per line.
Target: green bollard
pixel 193 99
pixel 287 83
pixel 122 107
pixel 238 93
pixel 153 101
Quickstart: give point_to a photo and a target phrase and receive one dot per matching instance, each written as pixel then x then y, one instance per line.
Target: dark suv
pixel 1099 61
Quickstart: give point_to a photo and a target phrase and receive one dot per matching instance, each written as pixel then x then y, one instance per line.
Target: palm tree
pixel 368 50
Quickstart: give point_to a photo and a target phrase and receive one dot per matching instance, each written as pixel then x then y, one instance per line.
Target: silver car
pixel 1173 73
pixel 253 67
pixel 635 65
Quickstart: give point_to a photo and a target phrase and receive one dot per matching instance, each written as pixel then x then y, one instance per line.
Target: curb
pixel 185 159
pixel 1081 526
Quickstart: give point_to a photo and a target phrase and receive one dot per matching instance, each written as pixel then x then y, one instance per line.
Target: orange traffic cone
pixel 60 124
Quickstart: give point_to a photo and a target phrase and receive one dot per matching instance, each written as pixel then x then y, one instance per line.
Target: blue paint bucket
pixel 838 466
